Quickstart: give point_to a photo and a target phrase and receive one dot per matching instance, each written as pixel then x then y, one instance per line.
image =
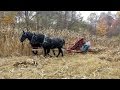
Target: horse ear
pixel 23 31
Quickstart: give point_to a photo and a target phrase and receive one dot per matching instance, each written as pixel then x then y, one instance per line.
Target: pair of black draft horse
pixel 41 40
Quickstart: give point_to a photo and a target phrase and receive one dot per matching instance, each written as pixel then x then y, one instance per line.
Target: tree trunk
pixel 27 20
pixel 37 21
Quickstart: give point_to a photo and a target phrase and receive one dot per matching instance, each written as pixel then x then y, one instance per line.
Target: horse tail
pixel 63 42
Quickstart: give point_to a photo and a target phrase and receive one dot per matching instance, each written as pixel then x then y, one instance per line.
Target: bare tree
pixel 93 19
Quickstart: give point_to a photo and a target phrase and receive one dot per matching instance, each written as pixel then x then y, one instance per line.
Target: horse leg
pixel 48 51
pixel 53 52
pixel 59 52
pixel 35 52
pixel 44 52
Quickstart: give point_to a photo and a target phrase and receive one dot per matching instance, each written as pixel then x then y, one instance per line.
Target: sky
pixel 85 14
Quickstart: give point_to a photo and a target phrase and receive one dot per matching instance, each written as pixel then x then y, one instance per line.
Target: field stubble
pixel 18 62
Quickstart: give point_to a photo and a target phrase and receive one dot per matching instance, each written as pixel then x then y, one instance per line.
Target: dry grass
pixel 77 66
pixel 19 63
pixel 11 46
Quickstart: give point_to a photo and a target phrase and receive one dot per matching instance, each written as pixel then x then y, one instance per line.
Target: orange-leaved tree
pixel 102 26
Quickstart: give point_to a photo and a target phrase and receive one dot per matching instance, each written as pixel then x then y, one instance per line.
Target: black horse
pixel 49 43
pixel 29 35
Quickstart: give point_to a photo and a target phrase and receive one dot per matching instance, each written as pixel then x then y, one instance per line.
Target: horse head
pixel 26 35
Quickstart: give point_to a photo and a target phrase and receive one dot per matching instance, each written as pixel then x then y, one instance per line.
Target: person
pixel 85 47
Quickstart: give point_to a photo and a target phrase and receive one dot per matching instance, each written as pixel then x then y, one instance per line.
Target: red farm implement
pixel 76 47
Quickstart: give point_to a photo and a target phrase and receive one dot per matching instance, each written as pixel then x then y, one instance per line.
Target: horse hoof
pixel 51 56
pixel 45 56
